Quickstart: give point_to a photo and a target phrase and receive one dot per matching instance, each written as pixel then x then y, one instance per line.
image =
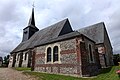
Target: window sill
pixel 48 62
pixel 56 62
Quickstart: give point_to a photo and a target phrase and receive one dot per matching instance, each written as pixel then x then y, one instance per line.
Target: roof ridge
pixel 55 24
pixel 91 25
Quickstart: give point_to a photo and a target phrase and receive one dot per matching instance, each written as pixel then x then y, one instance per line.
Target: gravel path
pixel 10 74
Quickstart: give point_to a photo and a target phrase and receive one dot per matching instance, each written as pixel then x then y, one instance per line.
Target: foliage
pixel 105 74
pixel 6 61
pixel 116 58
pixel 109 74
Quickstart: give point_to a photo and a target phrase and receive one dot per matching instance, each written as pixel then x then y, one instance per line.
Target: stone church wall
pixel 89 67
pixel 10 61
pixel 74 58
pixel 17 60
pixel 67 63
pixel 108 50
pixel 25 62
pixel 20 57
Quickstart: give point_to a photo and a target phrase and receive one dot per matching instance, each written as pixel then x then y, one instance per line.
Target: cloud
pixel 14 16
pixel 9 20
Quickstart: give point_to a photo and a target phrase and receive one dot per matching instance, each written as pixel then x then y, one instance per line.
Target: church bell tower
pixel 30 29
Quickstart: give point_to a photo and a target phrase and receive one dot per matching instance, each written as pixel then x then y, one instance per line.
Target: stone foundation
pixel 58 68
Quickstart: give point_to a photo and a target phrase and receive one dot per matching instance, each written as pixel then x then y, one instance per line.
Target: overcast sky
pixel 14 16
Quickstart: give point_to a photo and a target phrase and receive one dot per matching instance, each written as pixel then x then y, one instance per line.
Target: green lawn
pixel 109 74
pixel 106 74
pixel 23 69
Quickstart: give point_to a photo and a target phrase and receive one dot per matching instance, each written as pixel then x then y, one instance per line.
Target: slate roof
pixel 62 30
pixel 94 32
pixel 47 35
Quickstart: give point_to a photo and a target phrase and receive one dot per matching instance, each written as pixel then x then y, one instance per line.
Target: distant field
pixel 106 74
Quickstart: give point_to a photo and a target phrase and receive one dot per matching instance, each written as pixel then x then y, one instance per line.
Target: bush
pixel 116 59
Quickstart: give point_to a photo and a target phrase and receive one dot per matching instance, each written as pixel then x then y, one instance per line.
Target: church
pixel 59 49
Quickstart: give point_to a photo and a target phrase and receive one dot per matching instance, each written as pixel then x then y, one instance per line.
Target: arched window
pixel 49 54
pixel 91 54
pixel 55 53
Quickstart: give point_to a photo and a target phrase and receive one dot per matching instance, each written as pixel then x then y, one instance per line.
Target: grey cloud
pixel 9 24
pixel 14 17
pixel 85 13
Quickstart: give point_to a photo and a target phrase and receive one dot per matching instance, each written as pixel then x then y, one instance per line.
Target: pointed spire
pixel 32 19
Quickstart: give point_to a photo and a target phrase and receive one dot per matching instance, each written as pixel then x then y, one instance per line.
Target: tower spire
pixel 31 28
pixel 32 19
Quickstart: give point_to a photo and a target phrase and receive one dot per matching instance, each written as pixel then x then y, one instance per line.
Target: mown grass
pixel 46 76
pixel 23 69
pixel 109 74
pixel 105 74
